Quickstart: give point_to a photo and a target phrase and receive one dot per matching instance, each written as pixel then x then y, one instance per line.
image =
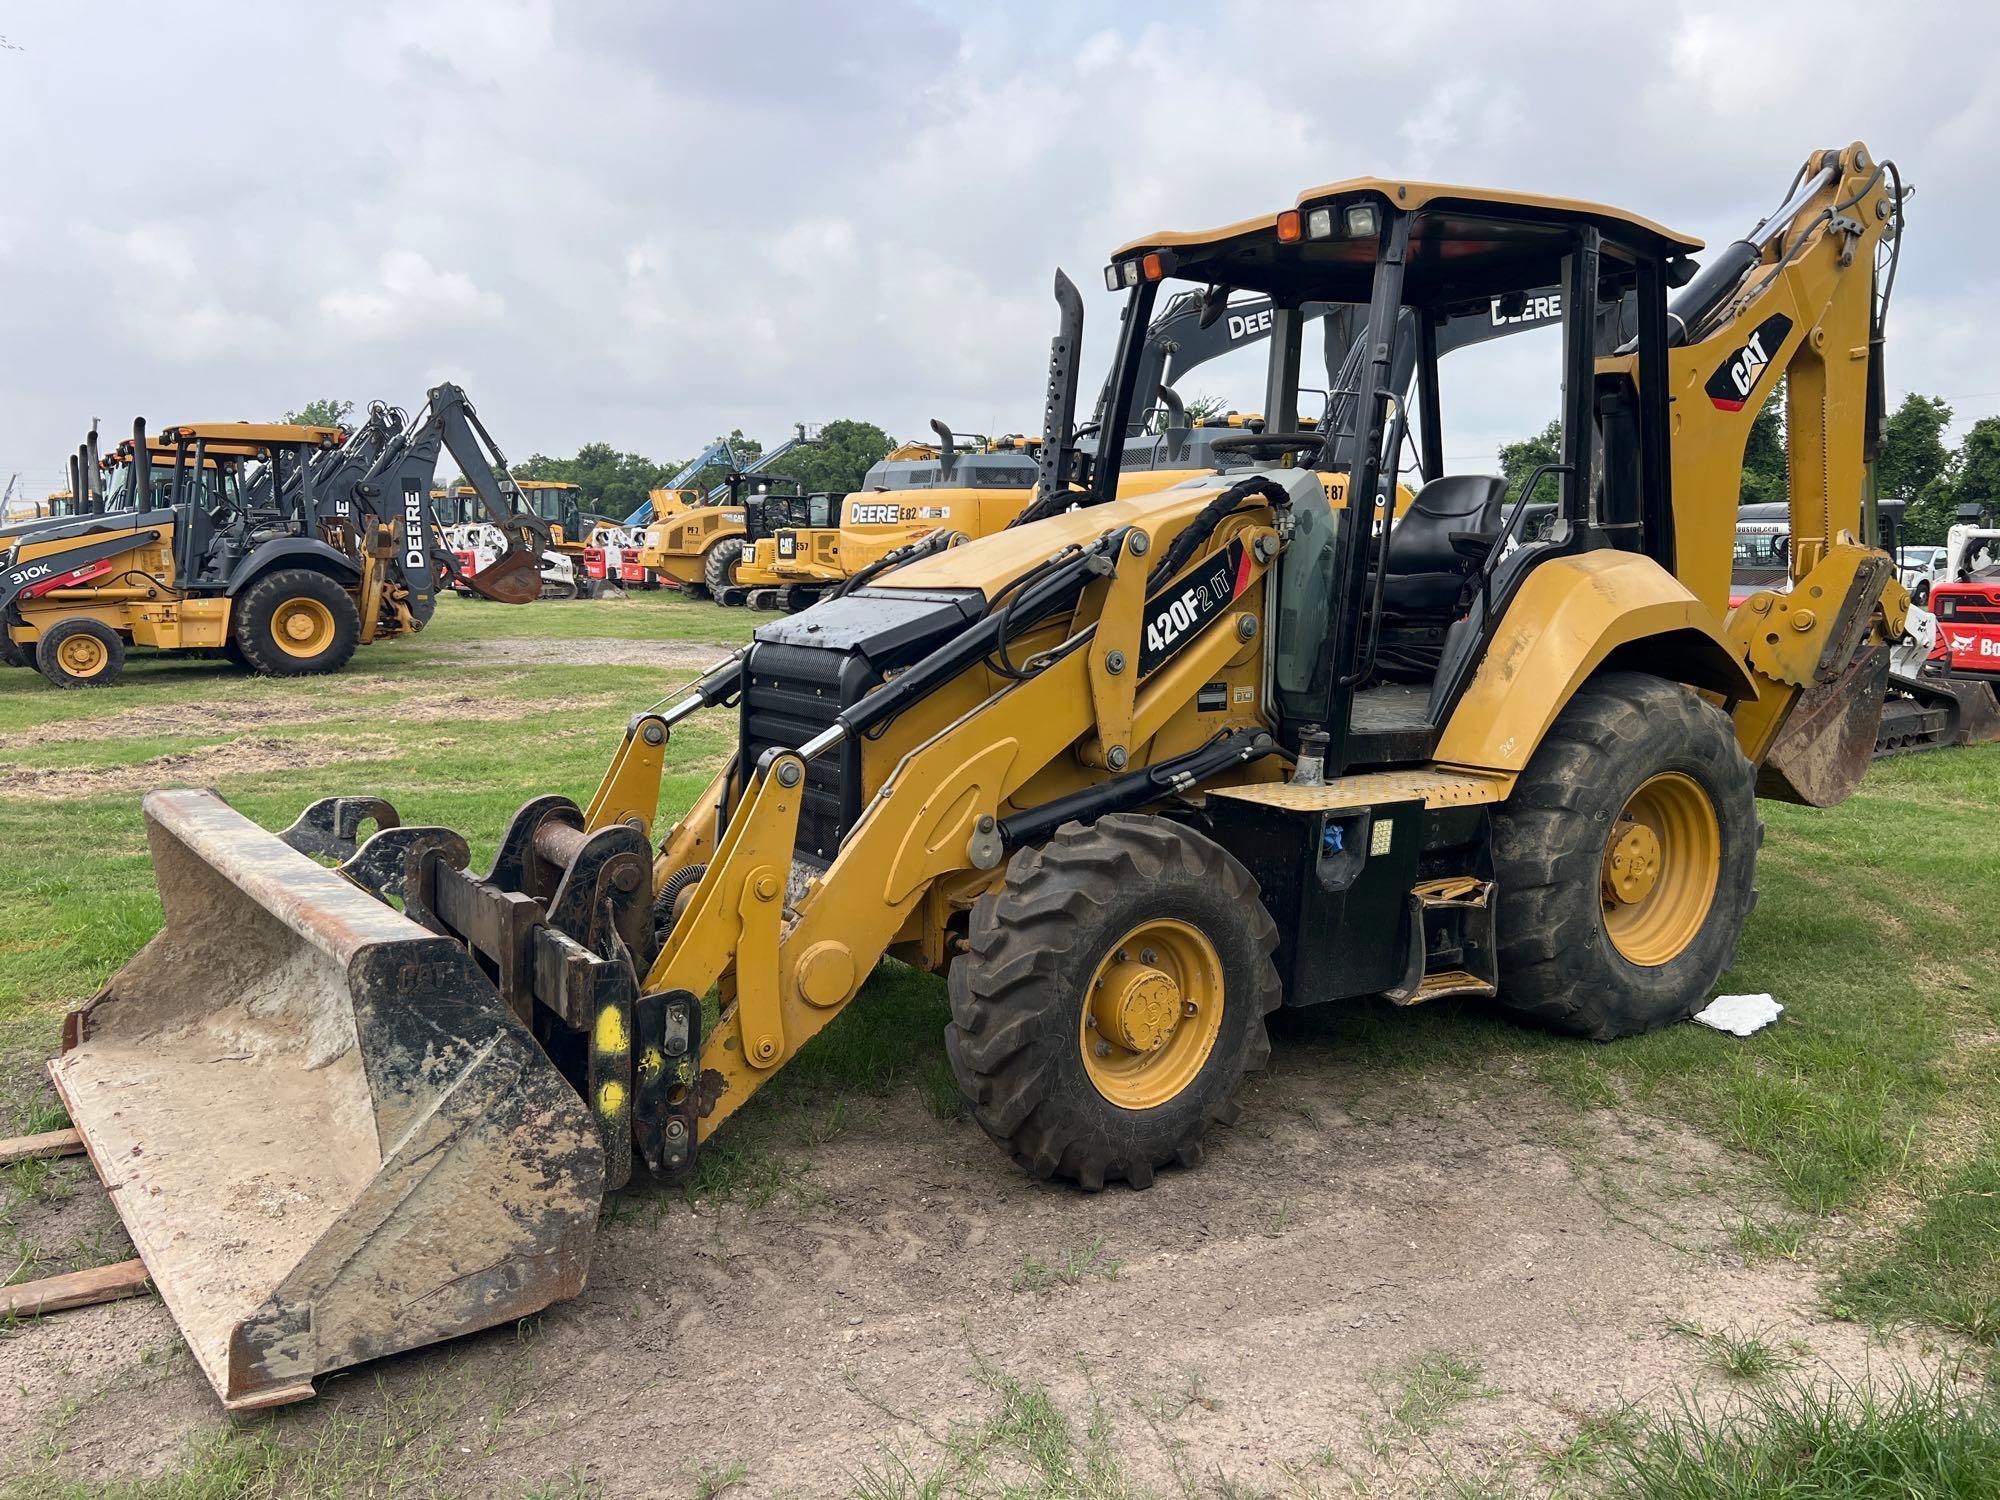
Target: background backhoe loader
pixel 1133 772
pixel 285 547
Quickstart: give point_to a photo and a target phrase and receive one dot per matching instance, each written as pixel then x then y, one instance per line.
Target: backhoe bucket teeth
pixel 1823 751
pixel 327 1137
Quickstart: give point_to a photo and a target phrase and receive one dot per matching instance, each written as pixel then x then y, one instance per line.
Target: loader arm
pixel 794 948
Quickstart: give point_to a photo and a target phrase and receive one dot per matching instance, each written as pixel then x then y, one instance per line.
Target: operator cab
pixel 556 501
pixel 1379 627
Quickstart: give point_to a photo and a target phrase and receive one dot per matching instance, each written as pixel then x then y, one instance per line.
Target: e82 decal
pixel 1737 376
pixel 1176 614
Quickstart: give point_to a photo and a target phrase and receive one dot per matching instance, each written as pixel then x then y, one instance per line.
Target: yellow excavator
pixel 1133 773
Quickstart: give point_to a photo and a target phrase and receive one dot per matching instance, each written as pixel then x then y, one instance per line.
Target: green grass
pixel 1806 1441
pixel 1731 1352
pixel 1067 1267
pixel 1438 1386
pixel 1944 1267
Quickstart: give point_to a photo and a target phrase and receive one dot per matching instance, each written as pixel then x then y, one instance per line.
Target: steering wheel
pixel 1306 444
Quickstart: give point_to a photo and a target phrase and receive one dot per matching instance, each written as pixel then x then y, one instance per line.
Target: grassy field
pixel 1872 1111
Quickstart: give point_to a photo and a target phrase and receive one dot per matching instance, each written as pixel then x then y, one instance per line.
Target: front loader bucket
pixel 327 1137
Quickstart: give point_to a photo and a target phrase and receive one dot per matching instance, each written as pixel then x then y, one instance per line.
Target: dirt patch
pixel 210 763
pixel 672 656
pixel 325 703
pixel 1247 1321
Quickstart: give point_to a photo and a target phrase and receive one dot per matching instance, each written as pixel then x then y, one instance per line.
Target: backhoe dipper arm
pixel 450 424
pixel 1803 296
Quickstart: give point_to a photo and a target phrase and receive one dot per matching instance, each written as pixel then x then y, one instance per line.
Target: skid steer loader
pixel 1133 772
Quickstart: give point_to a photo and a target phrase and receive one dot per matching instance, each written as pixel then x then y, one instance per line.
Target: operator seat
pixel 1426 576
pixel 1426 573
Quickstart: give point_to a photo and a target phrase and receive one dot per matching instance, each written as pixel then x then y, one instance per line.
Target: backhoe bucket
pixel 327 1137
pixel 512 578
pixel 1824 750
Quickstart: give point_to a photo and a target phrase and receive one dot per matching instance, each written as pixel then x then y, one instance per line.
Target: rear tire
pixel 1625 861
pixel 295 623
pixel 1144 916
pixel 11 654
pixel 718 564
pixel 80 653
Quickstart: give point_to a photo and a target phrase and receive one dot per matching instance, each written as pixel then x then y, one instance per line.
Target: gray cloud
pixel 647 223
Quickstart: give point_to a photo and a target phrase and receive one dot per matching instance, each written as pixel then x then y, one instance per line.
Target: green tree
pixel 1974 476
pixel 837 460
pixel 1764 463
pixel 327 411
pixel 613 482
pixel 1519 460
pixel 1914 465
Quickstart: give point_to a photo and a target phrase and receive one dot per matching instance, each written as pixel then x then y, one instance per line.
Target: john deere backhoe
pixel 285 547
pixel 1133 772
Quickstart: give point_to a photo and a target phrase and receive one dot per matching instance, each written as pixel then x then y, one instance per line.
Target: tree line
pixel 1914 464
pixel 614 482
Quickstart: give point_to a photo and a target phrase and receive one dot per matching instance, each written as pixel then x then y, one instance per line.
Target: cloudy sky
pixel 650 222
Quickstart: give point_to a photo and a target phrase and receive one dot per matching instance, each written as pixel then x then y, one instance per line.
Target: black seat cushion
pixel 1426 573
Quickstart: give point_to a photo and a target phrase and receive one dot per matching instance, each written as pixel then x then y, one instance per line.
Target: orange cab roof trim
pixel 1409 195
pixel 255 432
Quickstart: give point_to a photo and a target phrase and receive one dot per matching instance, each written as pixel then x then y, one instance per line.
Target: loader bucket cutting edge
pixel 328 1138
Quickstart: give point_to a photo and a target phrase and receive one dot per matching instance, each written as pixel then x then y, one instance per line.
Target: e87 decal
pixel 1176 614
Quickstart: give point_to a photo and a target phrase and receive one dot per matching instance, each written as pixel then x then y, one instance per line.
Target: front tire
pixel 1111 1000
pixel 718 564
pixel 295 623
pixel 80 653
pixel 1625 861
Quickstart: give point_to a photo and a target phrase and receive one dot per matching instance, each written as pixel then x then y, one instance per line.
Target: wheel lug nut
pixel 1104 1049
pixel 1187 1007
pixel 1146 956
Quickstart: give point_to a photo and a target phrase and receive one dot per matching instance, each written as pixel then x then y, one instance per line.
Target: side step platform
pixel 1379 883
pixel 1452 948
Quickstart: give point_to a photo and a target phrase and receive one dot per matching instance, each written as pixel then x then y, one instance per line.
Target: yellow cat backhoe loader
pixel 1133 772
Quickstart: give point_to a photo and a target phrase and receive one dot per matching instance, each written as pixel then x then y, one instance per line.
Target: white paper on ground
pixel 1740 1015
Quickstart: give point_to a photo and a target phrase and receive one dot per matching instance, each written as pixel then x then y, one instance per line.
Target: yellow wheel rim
pixel 1662 863
pixel 1152 1014
pixel 82 655
pixel 302 627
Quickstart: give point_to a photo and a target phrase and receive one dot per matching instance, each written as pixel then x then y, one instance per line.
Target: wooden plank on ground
pixel 48 1143
pixel 75 1289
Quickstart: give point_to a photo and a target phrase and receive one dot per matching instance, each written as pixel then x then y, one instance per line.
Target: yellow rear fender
pixel 1574 616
